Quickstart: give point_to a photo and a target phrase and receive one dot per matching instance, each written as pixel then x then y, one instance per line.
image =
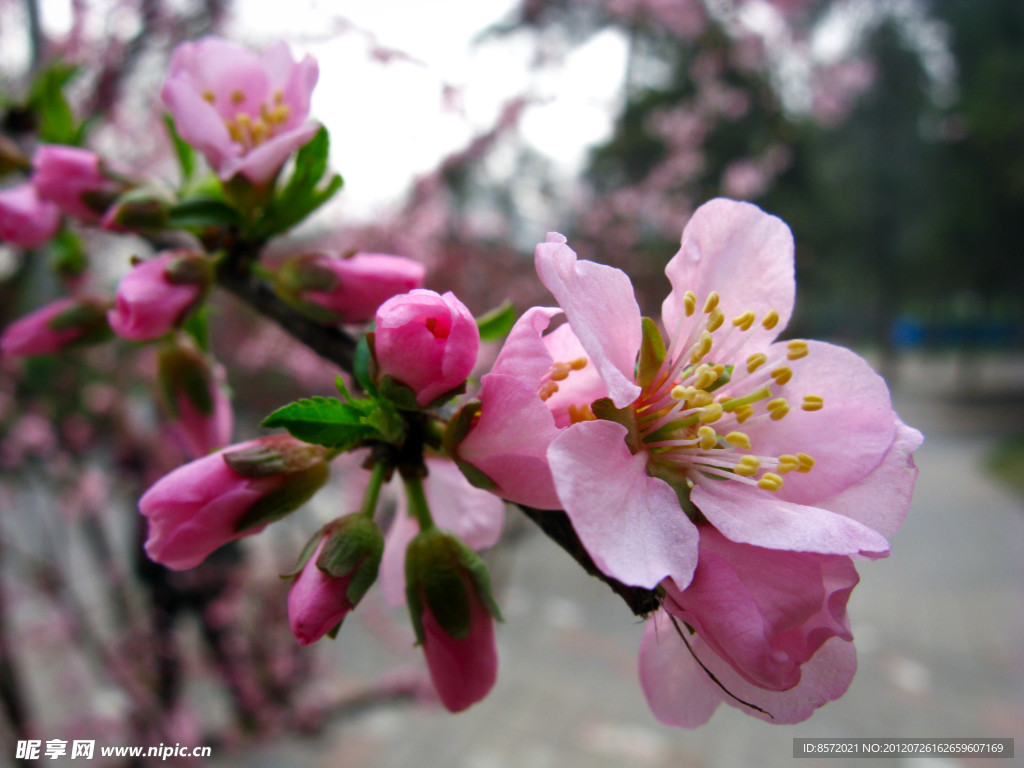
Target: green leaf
pixel 201 212
pixel 300 195
pixel 327 421
pixel 496 324
pixel 57 124
pixel 182 149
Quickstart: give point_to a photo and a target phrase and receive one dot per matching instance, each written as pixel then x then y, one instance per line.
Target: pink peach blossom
pixel 349 289
pixel 26 219
pixel 55 326
pixel 702 427
pixel 426 341
pixel 75 180
pixel 221 497
pixel 245 112
pixel 157 295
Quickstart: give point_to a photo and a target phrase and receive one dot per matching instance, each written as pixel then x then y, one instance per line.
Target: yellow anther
pixel 234 132
pixel 711 302
pixel 756 361
pixel 703 347
pixel 806 462
pixel 700 398
pixel 787 463
pixel 782 374
pixel 679 392
pixel 770 482
pixel 797 349
pixel 279 114
pixel 777 408
pixel 747 466
pixel 237 97
pixel 744 321
pixel 578 364
pixel 578 413
pixel 770 320
pixel 689 303
pixel 739 440
pixel 708 438
pixel 278 96
pixel 208 97
pixel 715 319
pixel 260 132
pixel 560 371
pixel 711 413
pixel 743 412
pixel 243 120
pixel 705 376
pixel 547 389
pixel 813 403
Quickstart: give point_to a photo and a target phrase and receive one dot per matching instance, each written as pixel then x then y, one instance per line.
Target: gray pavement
pixel 939 629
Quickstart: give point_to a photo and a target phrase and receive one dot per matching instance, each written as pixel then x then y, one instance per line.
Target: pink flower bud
pixel 334 578
pixel 235 492
pixel 75 180
pixel 193 393
pixel 26 220
pixel 157 295
pixel 349 289
pixel 245 112
pixel 452 610
pixel 426 342
pixel 55 326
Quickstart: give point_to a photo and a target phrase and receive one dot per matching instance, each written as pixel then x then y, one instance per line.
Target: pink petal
pixel 463 671
pixel 680 693
pixel 524 353
pixel 403 529
pixel 510 441
pixel 199 123
pixel 748 515
pixel 847 438
pixel 261 163
pixel 742 253
pixel 475 515
pixel 630 523
pixel 599 302
pixel 881 499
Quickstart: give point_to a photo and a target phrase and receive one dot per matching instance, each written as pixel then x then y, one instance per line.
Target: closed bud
pixel 26 219
pixel 346 289
pixel 158 294
pixel 337 568
pixel 425 342
pixel 138 210
pixel 193 396
pixel 76 180
pixel 452 610
pixel 72 320
pixel 235 492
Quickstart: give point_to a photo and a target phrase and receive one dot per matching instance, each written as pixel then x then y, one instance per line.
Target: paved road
pixel 939 628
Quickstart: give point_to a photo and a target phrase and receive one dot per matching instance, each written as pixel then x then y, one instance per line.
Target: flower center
pixel 251 127
pixel 689 415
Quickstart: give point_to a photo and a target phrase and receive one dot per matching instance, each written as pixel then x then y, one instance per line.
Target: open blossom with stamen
pixel 701 425
pixel 246 112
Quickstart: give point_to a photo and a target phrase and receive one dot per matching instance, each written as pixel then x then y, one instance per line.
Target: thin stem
pixel 418 502
pixel 377 476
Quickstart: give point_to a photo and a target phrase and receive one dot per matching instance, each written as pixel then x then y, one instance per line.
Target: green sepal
pixel 455 432
pixel 292 493
pixel 652 353
pixel 180 369
pixel 440 569
pixel 67 255
pixel 333 631
pixel 496 324
pixel 305 554
pixel 141 210
pixel 182 150
pixel 605 409
pixel 354 544
pixel 202 212
pixel 189 268
pixel 398 393
pixel 298 275
pixel 274 456
pixel 89 316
